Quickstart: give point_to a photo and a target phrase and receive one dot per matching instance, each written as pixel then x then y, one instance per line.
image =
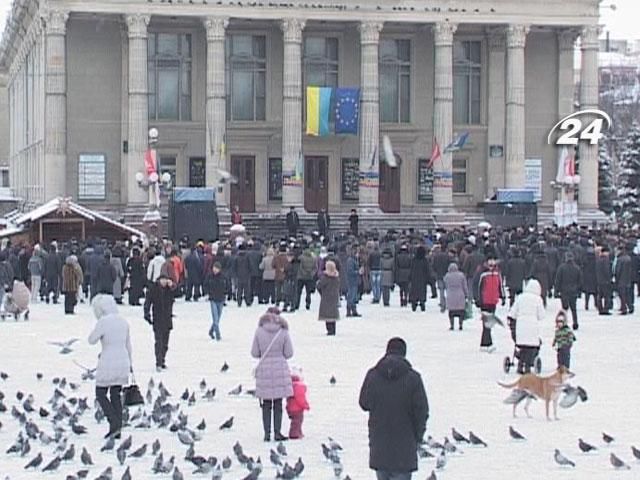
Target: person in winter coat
pixel 624 280
pixel 306 277
pixel 329 288
pixel 193 265
pixel 71 283
pixel 106 275
pixel 293 222
pixel 387 278
pixel 255 258
pixel 324 223
pixel 527 314
pixel 36 269
pixel 215 288
pixel 115 360
pixel 488 292
pixel 440 263
pixel 568 284
pixel 279 265
pixel 267 292
pixel 296 405
pixel 420 275
pixel 604 277
pixel 563 340
pixel 589 281
pixel 52 270
pixel 394 396
pixel 116 262
pixel 457 293
pixel 272 347
pixel 160 315
pixel 136 274
pixel 515 272
pixel 403 274
pixel 541 271
pixel 375 273
pixel 353 222
pixel 243 277
pixel 353 272
pixel 95 261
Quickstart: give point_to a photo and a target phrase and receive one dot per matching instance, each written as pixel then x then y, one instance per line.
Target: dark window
pixel 169 76
pixel 395 80
pixel 425 181
pixel 4 178
pixel 467 64
pixel 246 77
pixel 459 175
pixel 320 66
pixel 91 177
pixel 275 179
pixel 350 179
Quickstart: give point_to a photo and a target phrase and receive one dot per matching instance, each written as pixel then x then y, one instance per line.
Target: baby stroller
pixel 510 362
pixel 16 302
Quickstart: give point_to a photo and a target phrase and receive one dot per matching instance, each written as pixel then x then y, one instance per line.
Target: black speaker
pixel 192 213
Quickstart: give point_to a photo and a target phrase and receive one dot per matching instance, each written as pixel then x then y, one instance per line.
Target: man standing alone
pixel 394 396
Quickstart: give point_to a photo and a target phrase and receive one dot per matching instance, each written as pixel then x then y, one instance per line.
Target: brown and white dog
pixel 544 388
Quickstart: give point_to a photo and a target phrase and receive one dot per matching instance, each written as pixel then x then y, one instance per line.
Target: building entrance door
pixel 243 193
pixel 389 191
pixel 316 188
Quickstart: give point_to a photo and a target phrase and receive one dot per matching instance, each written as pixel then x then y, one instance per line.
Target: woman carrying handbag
pixel 114 362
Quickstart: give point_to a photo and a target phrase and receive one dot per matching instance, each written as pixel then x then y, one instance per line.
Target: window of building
pixel 92 177
pixel 169 81
pixel 467 63
pixel 246 77
pixel 4 178
pixel 395 80
pixel 459 171
pixel 350 179
pixel 320 66
pixel 275 179
pixel 425 180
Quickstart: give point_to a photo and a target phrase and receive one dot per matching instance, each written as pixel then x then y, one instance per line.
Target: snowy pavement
pixel 460 382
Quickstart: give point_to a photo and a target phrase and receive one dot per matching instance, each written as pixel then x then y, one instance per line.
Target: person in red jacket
pixel 488 292
pixel 296 405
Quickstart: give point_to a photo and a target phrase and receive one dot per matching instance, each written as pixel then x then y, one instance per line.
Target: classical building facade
pixel 224 83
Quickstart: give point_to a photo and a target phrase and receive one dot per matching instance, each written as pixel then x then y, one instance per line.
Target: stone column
pixel 55 138
pixel 138 104
pixel 369 116
pixel 216 108
pixel 443 112
pixel 515 119
pixel 292 192
pixel 566 86
pixel 495 108
pixel 588 199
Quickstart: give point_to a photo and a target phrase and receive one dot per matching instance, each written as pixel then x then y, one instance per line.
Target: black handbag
pixel 132 395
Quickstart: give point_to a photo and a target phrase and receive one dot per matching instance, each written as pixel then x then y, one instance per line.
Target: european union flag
pixel 347 110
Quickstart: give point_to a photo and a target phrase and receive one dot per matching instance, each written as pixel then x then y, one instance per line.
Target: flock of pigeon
pixel 55 431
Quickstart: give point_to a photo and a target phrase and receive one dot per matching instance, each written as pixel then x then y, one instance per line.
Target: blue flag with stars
pixel 347 110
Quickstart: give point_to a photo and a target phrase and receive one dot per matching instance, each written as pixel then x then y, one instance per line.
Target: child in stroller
pixel 16 302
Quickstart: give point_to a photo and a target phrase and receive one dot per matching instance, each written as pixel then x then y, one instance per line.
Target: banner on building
pixel 442 179
pixel 533 177
pixel 369 179
pixel 318 107
pixel 347 110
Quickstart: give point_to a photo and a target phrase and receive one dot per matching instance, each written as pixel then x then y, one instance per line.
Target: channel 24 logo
pixel 575 131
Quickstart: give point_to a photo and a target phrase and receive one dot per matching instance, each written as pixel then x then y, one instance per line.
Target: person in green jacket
pixel 563 339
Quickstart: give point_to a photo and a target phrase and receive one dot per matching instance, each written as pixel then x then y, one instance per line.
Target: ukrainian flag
pixel 318 105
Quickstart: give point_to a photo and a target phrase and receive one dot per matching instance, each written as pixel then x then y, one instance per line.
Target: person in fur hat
pixel 329 288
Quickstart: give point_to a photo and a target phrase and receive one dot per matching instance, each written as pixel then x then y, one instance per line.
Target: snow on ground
pixel 460 381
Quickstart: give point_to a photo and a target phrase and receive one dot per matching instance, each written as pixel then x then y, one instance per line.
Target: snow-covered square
pixel 461 384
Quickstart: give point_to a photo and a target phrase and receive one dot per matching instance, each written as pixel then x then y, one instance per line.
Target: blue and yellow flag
pixel 318 105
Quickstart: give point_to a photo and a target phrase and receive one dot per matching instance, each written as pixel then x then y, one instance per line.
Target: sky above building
pixel 621 21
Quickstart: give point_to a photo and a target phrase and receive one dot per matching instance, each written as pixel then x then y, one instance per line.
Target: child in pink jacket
pixel 297 404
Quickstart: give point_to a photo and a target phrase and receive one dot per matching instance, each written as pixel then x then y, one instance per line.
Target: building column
pixel 589 99
pixel 515 118
pixel 566 87
pixel 370 116
pixel 216 108
pixel 495 109
pixel 138 104
pixel 292 188
pixel 55 140
pixel 443 112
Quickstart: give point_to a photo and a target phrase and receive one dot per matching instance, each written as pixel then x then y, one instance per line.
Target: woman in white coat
pixel 114 362
pixel 528 313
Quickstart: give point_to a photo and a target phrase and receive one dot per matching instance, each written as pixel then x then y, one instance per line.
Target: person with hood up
pixel 159 313
pixel 420 276
pixel 71 283
pixel 457 293
pixel 114 361
pixel 395 397
pixel 329 288
pixel 527 314
pixel 272 347
pixel 297 404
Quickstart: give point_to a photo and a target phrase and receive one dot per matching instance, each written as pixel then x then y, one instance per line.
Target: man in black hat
pixel 293 222
pixel 394 396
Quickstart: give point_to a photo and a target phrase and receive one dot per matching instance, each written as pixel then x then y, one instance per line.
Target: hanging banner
pixel 442 180
pixel 533 177
pixel 369 179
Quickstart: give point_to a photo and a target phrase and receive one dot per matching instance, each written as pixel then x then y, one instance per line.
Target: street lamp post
pixel 150 179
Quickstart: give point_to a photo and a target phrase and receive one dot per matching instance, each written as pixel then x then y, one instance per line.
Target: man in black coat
pixel 604 275
pixel 255 259
pixel 52 270
pixel 514 272
pixel 353 222
pixel 324 222
pixel 194 267
pixel 440 262
pixel 624 280
pixel 568 285
pixel 394 396
pixel 293 222
pixel 159 312
pixel 105 275
pixel 243 277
